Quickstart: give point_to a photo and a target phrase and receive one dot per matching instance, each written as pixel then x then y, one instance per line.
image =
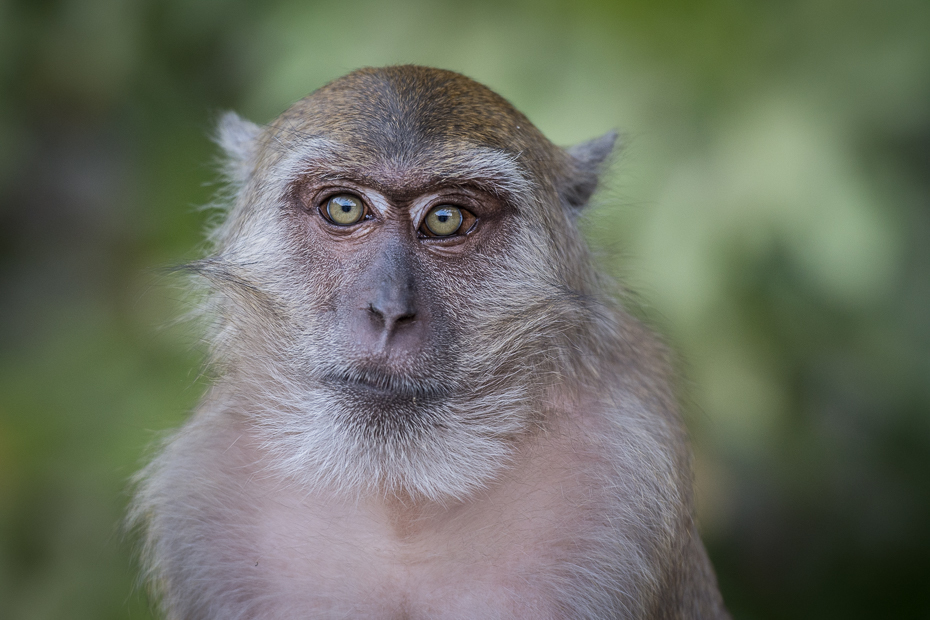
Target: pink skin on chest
pixel 490 556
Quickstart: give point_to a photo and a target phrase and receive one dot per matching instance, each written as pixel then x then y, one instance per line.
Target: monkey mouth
pixel 388 385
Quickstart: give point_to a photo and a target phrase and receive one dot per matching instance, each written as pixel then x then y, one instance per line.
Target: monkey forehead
pixel 493 171
pixel 396 113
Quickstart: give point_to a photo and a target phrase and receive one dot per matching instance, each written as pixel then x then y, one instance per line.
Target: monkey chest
pixel 326 565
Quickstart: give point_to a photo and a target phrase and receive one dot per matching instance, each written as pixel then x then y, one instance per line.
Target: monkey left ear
pixel 589 160
pixel 239 140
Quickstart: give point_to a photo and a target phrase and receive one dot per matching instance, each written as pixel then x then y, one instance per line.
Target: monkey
pixel 427 401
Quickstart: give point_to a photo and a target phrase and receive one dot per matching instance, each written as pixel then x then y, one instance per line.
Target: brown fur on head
pixel 430 406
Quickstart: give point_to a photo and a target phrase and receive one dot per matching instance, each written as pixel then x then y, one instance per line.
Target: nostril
pixel 375 313
pixel 403 319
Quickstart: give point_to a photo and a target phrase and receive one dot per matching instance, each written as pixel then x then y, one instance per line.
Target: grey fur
pixel 239 140
pixel 590 159
pixel 535 356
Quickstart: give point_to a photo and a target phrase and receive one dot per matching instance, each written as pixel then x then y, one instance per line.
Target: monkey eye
pixel 344 209
pixel 445 221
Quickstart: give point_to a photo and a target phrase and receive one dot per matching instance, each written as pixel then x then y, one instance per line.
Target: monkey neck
pixel 562 443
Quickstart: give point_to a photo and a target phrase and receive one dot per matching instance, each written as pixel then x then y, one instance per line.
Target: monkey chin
pixel 389 407
pixel 393 434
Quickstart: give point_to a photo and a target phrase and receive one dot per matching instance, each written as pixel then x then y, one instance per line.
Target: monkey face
pixel 405 277
pixel 405 259
pixel 395 301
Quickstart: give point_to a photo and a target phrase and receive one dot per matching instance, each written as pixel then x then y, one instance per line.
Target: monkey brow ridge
pixel 493 170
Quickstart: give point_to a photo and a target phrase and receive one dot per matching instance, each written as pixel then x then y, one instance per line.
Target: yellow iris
pixel 344 209
pixel 444 220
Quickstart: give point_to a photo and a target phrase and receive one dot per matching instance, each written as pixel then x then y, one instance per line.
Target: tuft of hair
pixel 238 138
pixel 589 160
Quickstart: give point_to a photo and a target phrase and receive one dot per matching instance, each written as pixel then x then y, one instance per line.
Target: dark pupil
pixel 345 204
pixel 443 217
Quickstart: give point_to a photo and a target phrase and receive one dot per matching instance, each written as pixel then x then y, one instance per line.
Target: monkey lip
pixel 383 384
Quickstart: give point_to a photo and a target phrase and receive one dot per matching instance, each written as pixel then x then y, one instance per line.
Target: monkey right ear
pixel 589 160
pixel 239 140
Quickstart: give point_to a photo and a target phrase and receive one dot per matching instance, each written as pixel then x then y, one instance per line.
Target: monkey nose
pixel 390 312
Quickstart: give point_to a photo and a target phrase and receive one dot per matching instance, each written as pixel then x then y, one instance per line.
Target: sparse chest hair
pixel 427 403
pixel 499 553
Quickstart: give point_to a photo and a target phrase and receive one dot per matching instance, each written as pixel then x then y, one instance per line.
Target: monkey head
pixel 400 281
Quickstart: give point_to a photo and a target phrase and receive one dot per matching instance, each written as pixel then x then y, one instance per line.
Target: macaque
pixel 426 401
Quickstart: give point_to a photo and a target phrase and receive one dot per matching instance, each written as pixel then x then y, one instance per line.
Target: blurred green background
pixel 771 209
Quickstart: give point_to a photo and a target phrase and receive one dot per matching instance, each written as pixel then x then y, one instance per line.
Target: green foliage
pixel 771 209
